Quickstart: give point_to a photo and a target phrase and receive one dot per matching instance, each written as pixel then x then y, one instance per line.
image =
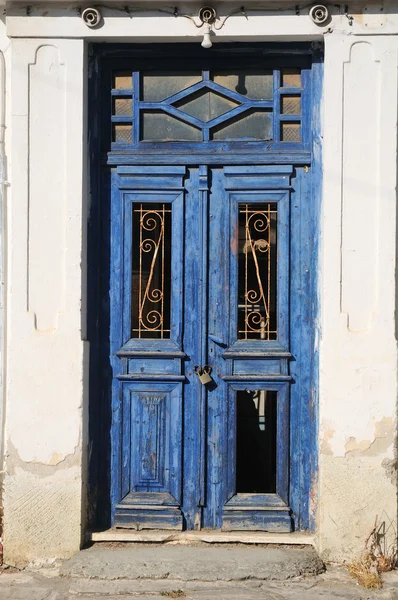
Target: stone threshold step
pixel 192 562
pixel 210 537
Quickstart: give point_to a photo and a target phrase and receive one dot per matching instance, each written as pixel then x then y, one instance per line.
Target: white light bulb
pixel 207 43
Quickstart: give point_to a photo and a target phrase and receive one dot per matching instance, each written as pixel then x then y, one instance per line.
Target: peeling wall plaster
pixel 14 461
pixel 384 436
pixel 383 439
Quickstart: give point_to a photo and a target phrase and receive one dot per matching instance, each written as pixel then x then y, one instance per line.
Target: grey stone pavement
pixel 136 572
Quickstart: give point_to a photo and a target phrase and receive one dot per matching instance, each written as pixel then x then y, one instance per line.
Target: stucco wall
pixel 46 354
pixel 358 347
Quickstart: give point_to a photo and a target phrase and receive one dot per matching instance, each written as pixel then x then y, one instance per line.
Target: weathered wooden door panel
pixel 146 326
pixel 249 348
pixel 151 445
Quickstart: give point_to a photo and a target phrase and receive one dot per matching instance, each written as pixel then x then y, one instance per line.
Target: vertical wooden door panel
pixel 260 361
pixel 146 348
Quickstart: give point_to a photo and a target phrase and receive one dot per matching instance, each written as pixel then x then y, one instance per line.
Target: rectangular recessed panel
pixel 256 415
pixel 252 83
pixel 291 105
pixel 256 366
pixel 362 230
pixel 149 455
pixel 123 106
pixel 251 125
pixel 152 413
pixel 257 271
pixel 152 365
pixel 48 220
pixel 159 126
pixel 291 77
pixel 290 132
pixel 151 276
pixel 122 80
pixel 157 86
pixel 122 133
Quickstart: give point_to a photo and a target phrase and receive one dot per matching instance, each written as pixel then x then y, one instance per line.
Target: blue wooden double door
pixel 210 321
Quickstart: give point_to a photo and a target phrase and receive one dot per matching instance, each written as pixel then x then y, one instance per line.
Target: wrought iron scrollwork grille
pixel 152 271
pixel 257 271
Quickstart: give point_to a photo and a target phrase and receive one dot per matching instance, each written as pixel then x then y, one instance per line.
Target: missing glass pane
pixel 151 254
pixel 256 415
pixel 257 271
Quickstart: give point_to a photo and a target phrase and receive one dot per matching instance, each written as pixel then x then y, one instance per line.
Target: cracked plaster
pixel 383 440
pixel 14 461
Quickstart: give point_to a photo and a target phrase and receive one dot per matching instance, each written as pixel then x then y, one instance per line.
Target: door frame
pixel 303 438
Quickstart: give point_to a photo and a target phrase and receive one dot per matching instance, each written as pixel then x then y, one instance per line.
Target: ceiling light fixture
pixel 207 16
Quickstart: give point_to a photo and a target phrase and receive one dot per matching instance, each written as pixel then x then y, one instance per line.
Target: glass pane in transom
pixel 206 105
pixel 256 84
pixel 159 126
pixel 122 106
pixel 157 86
pixel 250 125
pixel 290 132
pixel 122 80
pixel 122 133
pixel 291 105
pixel 291 78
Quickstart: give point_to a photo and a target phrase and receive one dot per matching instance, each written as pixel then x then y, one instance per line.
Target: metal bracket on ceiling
pixel 207 14
pixel 92 17
pixel 319 14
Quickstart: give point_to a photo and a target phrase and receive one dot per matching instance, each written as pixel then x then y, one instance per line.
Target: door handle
pixel 216 340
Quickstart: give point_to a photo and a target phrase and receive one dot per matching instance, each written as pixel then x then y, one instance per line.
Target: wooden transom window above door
pixel 222 105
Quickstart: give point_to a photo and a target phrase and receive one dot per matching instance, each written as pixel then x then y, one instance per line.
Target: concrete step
pixel 45 584
pixel 190 563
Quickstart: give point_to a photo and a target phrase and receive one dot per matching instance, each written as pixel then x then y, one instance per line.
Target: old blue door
pixel 211 275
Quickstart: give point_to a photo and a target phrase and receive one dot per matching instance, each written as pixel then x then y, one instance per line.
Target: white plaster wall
pixel 5 58
pixel 46 360
pixel 46 366
pixel 358 369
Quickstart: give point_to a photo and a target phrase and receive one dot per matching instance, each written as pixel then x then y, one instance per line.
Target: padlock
pixel 204 375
